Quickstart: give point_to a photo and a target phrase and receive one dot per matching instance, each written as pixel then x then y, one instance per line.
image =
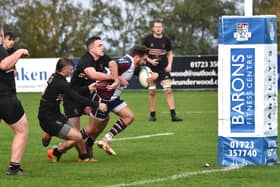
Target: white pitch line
pixel 173 177
pixel 144 136
pixel 193 112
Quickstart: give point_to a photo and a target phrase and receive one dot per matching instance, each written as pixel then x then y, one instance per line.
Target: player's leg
pixel 98 127
pixel 46 139
pixel 20 129
pixel 13 114
pixel 127 117
pixel 97 122
pixel 72 137
pixel 74 111
pixel 94 128
pixel 152 101
pixel 80 146
pixel 166 84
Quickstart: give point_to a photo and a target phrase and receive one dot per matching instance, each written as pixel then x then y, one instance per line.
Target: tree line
pixel 52 28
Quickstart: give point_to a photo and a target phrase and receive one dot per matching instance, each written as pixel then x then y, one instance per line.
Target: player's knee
pixel 168 91
pixel 152 92
pixel 80 138
pixel 131 118
pixel 77 136
pixel 128 119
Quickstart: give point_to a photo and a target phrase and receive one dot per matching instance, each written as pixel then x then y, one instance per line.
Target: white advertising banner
pixel 33 73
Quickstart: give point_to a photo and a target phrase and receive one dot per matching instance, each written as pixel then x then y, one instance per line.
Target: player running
pixel 126 69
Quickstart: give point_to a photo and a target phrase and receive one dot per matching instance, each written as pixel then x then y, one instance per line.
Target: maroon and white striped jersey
pixel 126 69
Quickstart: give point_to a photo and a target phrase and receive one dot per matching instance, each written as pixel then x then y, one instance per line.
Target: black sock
pixel 83 156
pixel 89 146
pixel 90 142
pixel 153 114
pixel 14 165
pixel 56 152
pixel 172 113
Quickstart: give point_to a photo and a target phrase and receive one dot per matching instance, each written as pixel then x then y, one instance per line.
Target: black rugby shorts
pixel 73 109
pixel 52 123
pixel 11 109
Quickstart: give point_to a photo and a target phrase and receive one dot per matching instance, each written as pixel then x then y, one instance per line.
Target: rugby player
pixel 160 60
pixel 11 110
pixel 126 70
pixel 89 69
pixel 52 121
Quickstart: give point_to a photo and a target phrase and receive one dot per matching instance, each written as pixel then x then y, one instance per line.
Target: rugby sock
pixel 14 165
pixel 90 141
pixel 83 156
pixel 172 113
pixel 57 153
pixel 89 147
pixel 153 114
pixel 84 133
pixel 116 129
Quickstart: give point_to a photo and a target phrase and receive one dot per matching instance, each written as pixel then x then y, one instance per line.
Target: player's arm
pixel 10 61
pixel 78 98
pixel 123 81
pixel 85 89
pixel 113 66
pixel 82 90
pixel 154 61
pixel 170 57
pixel 92 74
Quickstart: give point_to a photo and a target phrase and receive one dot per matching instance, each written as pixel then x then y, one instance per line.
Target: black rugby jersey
pixel 80 83
pixel 7 79
pixel 158 48
pixel 57 88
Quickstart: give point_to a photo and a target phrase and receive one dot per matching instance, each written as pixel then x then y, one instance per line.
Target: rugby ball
pixel 144 73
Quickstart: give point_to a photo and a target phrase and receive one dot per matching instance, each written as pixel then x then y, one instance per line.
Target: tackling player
pixel 52 121
pixel 89 69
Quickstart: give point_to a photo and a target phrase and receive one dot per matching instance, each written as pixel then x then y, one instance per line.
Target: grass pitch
pixel 161 153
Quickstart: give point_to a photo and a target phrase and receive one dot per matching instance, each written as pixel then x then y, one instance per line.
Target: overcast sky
pixel 85 3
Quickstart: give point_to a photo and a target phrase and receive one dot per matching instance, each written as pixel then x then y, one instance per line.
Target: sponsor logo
pixel 242 91
pixel 242 32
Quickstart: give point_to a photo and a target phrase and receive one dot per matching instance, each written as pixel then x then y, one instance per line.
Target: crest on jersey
pixel 242 32
pixel 101 66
